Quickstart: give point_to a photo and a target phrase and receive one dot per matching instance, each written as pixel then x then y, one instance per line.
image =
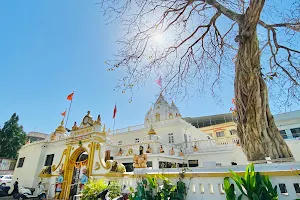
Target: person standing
pixel 58 185
pixel 83 179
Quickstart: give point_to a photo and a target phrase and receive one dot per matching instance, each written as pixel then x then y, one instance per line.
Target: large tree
pixel 12 137
pixel 203 38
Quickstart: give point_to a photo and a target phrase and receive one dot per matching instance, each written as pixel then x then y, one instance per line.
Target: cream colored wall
pixel 226 127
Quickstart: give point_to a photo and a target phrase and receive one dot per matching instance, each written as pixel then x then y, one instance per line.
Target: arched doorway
pixel 78 161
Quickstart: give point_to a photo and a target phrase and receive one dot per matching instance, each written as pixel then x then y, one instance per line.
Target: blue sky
pixel 50 48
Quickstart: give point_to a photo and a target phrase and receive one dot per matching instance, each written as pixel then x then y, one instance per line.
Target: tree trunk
pixel 256 127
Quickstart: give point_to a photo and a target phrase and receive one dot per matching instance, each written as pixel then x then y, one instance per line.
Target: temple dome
pixel 161 111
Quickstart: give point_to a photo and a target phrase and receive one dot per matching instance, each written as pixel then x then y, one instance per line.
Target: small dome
pixel 174 110
pixel 161 111
pixel 151 131
pixel 60 128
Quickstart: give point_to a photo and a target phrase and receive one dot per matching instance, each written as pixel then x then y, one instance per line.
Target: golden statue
pixel 75 127
pixel 157 117
pixel 120 152
pixel 181 153
pixel 161 149
pixel 149 150
pixel 172 152
pixel 117 167
pixel 140 161
pixel 98 121
pixel 195 148
pixel 53 137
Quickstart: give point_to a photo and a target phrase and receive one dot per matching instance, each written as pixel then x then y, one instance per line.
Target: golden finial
pixel 61 128
pixel 151 131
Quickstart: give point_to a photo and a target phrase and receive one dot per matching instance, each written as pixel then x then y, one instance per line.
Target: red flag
pixel 70 96
pixel 115 111
pixel 158 81
pixel 63 114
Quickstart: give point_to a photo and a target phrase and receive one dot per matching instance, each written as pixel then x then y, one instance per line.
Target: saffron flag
pixel 115 111
pixel 63 113
pixel 70 96
pixel 158 81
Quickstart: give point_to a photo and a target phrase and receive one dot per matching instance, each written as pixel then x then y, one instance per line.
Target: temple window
pixel 171 138
pixel 233 132
pixel 295 132
pixel 21 162
pixel 137 140
pixel 297 188
pixel 283 134
pixel 220 134
pixel 282 188
pixel 49 160
pixel 120 143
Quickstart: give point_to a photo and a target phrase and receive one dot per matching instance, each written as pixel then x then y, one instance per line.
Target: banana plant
pixel 253 185
pixel 229 189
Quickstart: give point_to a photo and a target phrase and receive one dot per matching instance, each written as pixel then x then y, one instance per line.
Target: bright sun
pixel 158 38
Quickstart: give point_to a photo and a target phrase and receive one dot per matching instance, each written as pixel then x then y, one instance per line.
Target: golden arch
pixel 70 169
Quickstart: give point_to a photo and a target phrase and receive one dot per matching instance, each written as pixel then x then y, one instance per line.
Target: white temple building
pixel 168 141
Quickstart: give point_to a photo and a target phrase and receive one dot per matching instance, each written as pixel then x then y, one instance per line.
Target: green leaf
pixel 226 183
pixel 238 181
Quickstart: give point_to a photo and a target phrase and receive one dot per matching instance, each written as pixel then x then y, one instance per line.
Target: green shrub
pixel 93 188
pixel 114 189
pixel 158 188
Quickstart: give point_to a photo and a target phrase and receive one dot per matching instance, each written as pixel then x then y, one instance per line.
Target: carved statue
pixel 181 153
pixel 53 136
pixel 149 150
pixel 195 148
pixel 120 152
pixel 116 167
pixel 170 116
pixel 98 121
pixel 161 149
pixel 172 152
pixel 157 117
pixel 140 161
pixel 88 120
pixel 75 127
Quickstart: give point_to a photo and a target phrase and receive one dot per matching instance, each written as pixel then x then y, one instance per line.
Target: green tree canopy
pixel 12 137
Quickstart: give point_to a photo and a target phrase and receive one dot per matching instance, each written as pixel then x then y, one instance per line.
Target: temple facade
pixel 165 140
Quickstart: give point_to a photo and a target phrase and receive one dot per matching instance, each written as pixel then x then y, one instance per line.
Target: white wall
pixel 27 173
pixel 212 178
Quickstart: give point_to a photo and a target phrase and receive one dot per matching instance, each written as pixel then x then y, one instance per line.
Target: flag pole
pixel 69 110
pixel 68 113
pixel 114 119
